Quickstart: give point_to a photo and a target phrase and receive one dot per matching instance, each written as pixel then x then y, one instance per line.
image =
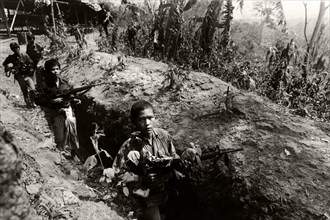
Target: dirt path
pixel 48 177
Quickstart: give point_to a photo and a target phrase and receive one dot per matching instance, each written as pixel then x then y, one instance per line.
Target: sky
pixel 293 9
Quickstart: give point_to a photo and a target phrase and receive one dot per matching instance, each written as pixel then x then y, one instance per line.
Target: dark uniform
pixel 60 114
pixel 23 73
pixel 34 51
pixel 104 18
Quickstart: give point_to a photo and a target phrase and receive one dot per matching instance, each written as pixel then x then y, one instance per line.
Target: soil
pixel 283 171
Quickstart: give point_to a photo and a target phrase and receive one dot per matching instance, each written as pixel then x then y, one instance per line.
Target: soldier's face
pixel 144 121
pixel 54 70
pixel 16 50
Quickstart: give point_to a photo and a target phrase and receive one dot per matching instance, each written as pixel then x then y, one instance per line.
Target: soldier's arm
pixel 6 64
pixel 39 48
pixel 172 150
pixel 27 59
pixel 43 100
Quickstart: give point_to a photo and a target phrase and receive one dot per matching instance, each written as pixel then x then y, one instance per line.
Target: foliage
pixel 175 76
pixel 208 40
pixel 92 160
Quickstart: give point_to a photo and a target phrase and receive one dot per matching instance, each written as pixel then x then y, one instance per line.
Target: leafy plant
pixel 92 161
pixel 175 76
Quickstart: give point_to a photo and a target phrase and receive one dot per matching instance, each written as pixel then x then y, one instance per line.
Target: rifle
pixel 218 153
pixel 154 165
pixel 76 90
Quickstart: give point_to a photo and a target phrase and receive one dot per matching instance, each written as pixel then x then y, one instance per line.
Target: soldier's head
pixel 14 47
pixel 30 38
pixel 52 67
pixel 142 116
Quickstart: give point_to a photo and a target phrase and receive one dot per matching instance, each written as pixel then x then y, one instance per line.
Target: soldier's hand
pixel 58 100
pixel 153 178
pixel 76 101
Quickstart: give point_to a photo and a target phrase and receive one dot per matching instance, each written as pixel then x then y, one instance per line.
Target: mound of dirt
pixel 284 168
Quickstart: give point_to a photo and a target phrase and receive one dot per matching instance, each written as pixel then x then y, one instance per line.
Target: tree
pixel 270 12
pixel 312 43
pixel 209 25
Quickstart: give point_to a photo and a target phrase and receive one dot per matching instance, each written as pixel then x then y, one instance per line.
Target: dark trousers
pixel 105 27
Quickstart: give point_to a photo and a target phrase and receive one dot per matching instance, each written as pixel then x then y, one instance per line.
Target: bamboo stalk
pixel 52 14
pixel 12 23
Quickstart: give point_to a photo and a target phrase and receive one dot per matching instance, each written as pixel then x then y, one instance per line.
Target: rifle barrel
pixel 219 153
pixel 79 89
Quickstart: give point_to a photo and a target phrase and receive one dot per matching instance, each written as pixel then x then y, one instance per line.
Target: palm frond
pixel 280 15
pixel 189 5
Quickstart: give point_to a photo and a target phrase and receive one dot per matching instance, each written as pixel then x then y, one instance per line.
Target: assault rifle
pixel 155 165
pixel 218 153
pixel 69 92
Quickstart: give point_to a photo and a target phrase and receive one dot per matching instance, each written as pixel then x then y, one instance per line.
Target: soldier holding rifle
pixel 22 67
pixel 147 163
pixel 146 145
pixel 59 109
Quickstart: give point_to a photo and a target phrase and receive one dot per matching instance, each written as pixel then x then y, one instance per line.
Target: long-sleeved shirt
pixel 52 87
pixel 34 51
pixel 158 146
pixel 22 63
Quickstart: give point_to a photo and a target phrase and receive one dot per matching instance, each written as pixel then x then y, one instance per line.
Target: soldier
pixel 34 50
pixel 147 143
pixel 59 109
pixel 104 19
pixel 22 67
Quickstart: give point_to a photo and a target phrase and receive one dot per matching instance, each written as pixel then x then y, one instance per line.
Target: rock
pixel 15 202
pixel 33 189
pixel 265 126
pixel 206 86
pixel 75 175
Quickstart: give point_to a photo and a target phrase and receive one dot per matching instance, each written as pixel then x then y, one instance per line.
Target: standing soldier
pixel 104 19
pixel 34 50
pixel 145 145
pixel 22 67
pixel 59 109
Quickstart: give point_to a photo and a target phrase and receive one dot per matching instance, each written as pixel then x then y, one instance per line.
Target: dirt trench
pixel 283 172
pixel 262 182
pixel 211 198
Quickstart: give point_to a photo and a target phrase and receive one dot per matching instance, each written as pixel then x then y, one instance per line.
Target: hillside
pixel 282 173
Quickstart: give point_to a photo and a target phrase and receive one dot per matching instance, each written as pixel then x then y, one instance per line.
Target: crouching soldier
pixel 22 67
pixel 145 160
pixel 59 110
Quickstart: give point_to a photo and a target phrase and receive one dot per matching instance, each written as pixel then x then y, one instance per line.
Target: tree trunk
pixel 312 41
pixel 52 14
pixel 5 19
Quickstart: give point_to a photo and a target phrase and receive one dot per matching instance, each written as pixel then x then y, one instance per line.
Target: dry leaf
pixel 126 191
pixel 90 162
